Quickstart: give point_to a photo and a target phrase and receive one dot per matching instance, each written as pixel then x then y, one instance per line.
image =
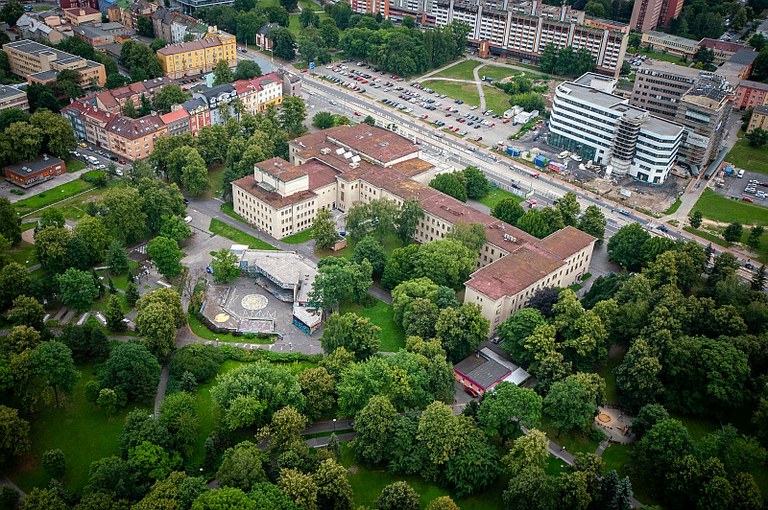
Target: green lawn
pixel 748 158
pixel 302 237
pixel 464 91
pixel 215 180
pixel 392 335
pixel 74 208
pixel 606 372
pixel 459 71
pixel 199 329
pixel 24 253
pixel 367 483
pixel 496 99
pixel 227 209
pixel 238 236
pixel 573 441
pixel 657 55
pixel 674 207
pixel 33 203
pixel 496 195
pixel 719 208
pixel 28 226
pixel 390 242
pixel 82 431
pixel 74 165
pixel 497 72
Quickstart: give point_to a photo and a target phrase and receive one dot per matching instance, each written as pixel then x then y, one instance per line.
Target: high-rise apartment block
pixel 522 30
pixel 649 14
pixel 588 119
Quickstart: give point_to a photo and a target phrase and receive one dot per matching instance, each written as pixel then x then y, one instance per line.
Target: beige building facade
pixel 39 63
pixel 339 167
pixel 197 57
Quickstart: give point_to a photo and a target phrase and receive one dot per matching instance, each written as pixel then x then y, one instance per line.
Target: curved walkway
pixel 479 85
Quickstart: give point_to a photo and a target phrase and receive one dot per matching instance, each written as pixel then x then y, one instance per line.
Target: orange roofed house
pixel 338 167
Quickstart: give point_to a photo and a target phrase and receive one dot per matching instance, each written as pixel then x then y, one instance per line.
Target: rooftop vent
pixel 340 151
pixel 347 155
pixel 325 150
pixel 511 239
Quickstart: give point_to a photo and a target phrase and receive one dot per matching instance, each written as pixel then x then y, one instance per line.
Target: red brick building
pixel 29 173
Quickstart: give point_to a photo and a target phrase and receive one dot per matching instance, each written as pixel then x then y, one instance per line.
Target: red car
pixel 505 121
pixel 358 114
pixel 747 199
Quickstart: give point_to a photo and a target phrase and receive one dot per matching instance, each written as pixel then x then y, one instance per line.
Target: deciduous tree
pixel 131 369
pixel 301 488
pixel 507 407
pixel 77 289
pixel 14 435
pixel 461 330
pixel 166 255
pixel 398 496
pixel 26 311
pixel 225 266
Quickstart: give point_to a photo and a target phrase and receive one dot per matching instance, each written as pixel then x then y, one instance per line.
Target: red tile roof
pixel 179 114
pixel 200 44
pixel 320 174
pixel 566 242
pixel 514 272
pixel 249 185
pixel 134 129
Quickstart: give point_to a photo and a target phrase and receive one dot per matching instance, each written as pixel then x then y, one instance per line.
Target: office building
pixel 668 43
pixel 703 111
pixel 39 63
pixel 197 57
pixel 659 87
pixel 588 119
pixel 13 98
pixel 339 167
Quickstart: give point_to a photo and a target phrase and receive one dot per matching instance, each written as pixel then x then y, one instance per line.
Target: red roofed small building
pixel 723 50
pixel 258 94
pixel 177 122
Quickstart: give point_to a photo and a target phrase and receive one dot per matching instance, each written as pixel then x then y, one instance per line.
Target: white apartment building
pixel 339 167
pixel 587 119
pixel 521 30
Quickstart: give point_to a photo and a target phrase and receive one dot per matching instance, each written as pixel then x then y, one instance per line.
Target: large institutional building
pixel 589 120
pixel 338 167
pixel 200 56
pixel 39 63
pixel 649 14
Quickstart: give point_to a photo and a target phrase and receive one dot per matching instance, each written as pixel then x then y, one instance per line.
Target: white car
pixel 576 157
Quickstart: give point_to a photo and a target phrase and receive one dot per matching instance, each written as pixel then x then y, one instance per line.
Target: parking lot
pixel 752 187
pixel 437 110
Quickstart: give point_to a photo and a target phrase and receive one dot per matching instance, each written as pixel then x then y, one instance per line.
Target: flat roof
pixel 287 269
pixel 663 66
pixel 661 126
pixel 670 37
pixel 482 371
pixel 760 110
pixel 744 56
pixel 26 168
pixel 7 92
pixel 591 95
pixel 275 200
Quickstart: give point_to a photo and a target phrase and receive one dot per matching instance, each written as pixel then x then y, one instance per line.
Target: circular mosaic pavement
pixel 221 317
pixel 254 302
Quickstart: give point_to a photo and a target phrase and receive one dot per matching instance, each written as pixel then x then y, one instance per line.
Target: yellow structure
pixel 197 57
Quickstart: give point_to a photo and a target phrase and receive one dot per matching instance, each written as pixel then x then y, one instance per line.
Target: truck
pixel 541 161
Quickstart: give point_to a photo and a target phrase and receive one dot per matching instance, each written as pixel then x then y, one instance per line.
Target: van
pixel 740 174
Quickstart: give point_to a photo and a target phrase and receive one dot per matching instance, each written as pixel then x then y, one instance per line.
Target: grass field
pixel 392 335
pixel 467 92
pixel 220 228
pixel 496 100
pixel 301 237
pixel 657 55
pixel 573 441
pixel 674 207
pixel 367 483
pixel 199 329
pixel 606 372
pixel 459 71
pixel 74 165
pixel 717 207
pixel 215 180
pixel 749 158
pixel 82 432
pixel 33 203
pixel 24 253
pixel 497 72
pixel 496 195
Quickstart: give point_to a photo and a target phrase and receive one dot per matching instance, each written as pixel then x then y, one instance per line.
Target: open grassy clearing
pixel 33 203
pixel 496 195
pixel 573 441
pixel 82 431
pixel 674 207
pixel 367 483
pixel 748 158
pixel 302 237
pixel 390 242
pixel 238 236
pixel 460 71
pixel 215 180
pixel 497 72
pixel 24 253
pixel 74 165
pixel 496 100
pixel 719 208
pixel 467 92
pixel 392 335
pixel 606 372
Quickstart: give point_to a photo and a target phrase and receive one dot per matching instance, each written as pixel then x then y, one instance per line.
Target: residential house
pixel 751 94
pixel 196 57
pixel 199 114
pixel 134 139
pixel 177 122
pixel 759 119
pixel 258 94
pixel 263 42
pixel 176 27
pixel 81 15
pixel 217 98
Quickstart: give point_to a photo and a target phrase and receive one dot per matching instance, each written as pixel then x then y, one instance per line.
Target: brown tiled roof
pixel 507 237
pixel 412 167
pixel 377 143
pixel 566 242
pixel 249 185
pixel 514 272
pixel 717 44
pixel 281 169
pixel 454 211
pixel 134 129
pixel 320 174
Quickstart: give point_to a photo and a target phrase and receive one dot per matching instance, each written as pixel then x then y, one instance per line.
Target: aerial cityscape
pixel 383 254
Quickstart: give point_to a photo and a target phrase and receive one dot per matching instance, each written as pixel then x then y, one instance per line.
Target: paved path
pixel 4 480
pixel 479 85
pixel 161 387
